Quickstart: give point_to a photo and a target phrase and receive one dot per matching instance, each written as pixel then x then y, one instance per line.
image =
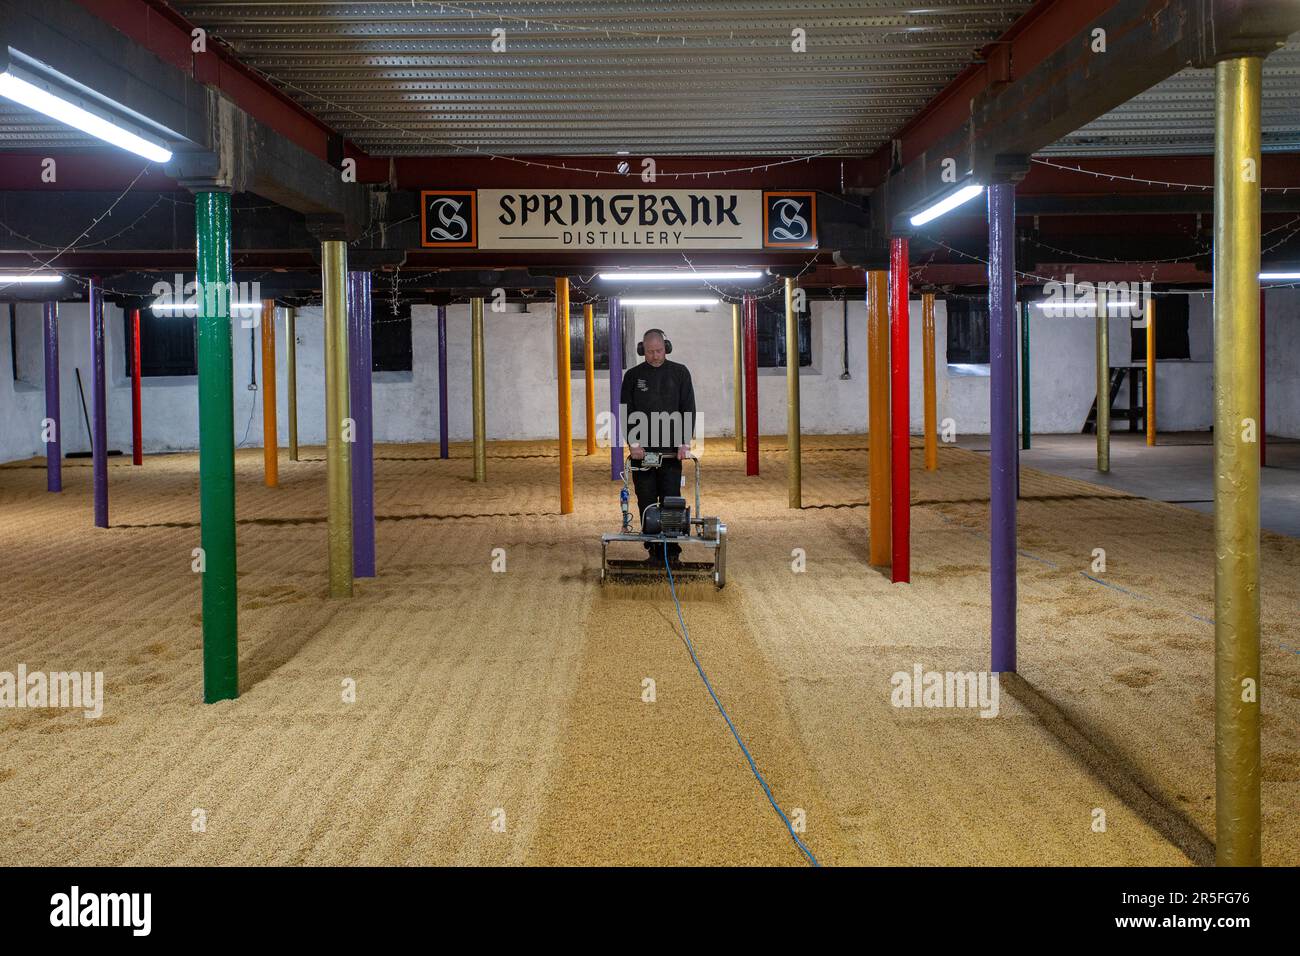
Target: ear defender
pixel 668 345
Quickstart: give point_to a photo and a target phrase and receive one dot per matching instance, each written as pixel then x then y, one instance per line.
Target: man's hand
pixel 636 452
pixel 683 452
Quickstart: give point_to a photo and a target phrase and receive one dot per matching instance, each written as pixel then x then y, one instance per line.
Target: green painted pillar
pixel 216 448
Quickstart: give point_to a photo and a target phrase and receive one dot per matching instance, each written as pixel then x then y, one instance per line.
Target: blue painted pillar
pixel 363 451
pixel 442 381
pixel 99 410
pixel 1002 423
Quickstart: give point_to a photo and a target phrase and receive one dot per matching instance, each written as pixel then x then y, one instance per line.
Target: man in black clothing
pixel 659 415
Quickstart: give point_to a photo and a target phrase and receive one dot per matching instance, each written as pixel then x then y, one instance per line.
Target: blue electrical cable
pixel 686 637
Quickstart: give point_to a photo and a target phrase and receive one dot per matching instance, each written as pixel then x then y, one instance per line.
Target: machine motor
pixel 670 517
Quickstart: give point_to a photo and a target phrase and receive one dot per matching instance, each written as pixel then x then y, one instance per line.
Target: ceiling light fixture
pixel 947 204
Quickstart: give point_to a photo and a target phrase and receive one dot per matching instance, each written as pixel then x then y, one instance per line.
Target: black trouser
pixel 652 485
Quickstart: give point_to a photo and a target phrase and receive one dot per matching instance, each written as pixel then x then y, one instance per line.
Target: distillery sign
pixel 673 220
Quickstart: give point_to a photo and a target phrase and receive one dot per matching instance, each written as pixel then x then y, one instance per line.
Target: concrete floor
pixel 1178 470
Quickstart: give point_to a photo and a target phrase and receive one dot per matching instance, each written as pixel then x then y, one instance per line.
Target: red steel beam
pixel 166 34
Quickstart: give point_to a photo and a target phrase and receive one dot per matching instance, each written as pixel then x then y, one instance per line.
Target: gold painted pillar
pixel 338 452
pixel 1236 461
pixel 927 378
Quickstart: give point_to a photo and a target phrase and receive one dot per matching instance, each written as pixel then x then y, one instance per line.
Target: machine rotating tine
pixel 669 521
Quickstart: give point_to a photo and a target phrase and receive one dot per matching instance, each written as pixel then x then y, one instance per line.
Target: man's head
pixel 652 343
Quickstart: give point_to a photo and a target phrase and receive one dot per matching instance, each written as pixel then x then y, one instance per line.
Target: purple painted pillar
pixel 1002 423
pixel 615 390
pixel 442 381
pixel 363 448
pixel 53 447
pixel 99 416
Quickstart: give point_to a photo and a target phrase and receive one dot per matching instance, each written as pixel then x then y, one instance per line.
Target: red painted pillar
pixel 751 385
pixel 1263 377
pixel 137 442
pixel 899 337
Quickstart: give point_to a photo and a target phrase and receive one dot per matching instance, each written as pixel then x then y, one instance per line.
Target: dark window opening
pixel 1172 314
pixel 390 337
pixel 167 344
pixel 600 336
pixel 968 331
pixel 771 334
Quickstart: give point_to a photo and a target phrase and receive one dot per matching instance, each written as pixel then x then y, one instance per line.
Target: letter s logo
pixel 453 227
pixel 789 211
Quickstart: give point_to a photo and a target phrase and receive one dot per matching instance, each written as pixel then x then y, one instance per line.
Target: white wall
pixel 521 390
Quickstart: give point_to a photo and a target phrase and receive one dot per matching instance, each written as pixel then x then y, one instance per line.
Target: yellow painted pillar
pixel 480 414
pixel 564 394
pixel 338 452
pixel 794 477
pixel 291 386
pixel 737 376
pixel 1236 461
pixel 270 440
pixel 1151 370
pixel 927 377
pixel 589 365
pixel 878 423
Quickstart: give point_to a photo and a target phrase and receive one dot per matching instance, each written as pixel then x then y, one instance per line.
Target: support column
pixel 1025 418
pixel 480 415
pixel 361 363
pixel 1236 461
pixel 53 426
pixel 216 448
pixel 795 468
pixel 270 428
pixel 564 394
pixel 1263 378
pixel 137 439
pixel 98 406
pixel 615 390
pixel 291 386
pixel 737 376
pixel 1002 425
pixel 1151 370
pixel 1103 381
pixel 899 402
pixel 751 386
pixel 878 490
pixel 442 382
pixel 338 453
pixel 928 384
pixel 589 368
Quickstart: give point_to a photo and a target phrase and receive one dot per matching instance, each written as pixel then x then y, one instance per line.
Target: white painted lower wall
pixel 521 391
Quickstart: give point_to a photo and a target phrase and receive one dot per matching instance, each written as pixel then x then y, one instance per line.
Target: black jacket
pixel 658 406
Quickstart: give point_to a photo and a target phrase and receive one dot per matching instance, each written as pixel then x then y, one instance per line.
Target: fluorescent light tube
pixel 193 307
pixel 948 203
pixel 31 278
pixel 668 301
pixel 1276 276
pixel 680 276
pixel 44 100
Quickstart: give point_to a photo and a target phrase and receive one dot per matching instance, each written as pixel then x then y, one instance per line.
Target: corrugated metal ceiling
pixel 594 78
